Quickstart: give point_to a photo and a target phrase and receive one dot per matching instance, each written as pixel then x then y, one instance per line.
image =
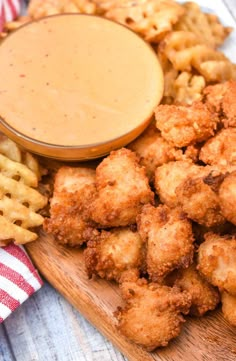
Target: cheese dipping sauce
pixel 77 80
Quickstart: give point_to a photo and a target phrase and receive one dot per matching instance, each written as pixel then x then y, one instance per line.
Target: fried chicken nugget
pixel 169 238
pixel 169 176
pixel 115 253
pixel 227 197
pixel 199 200
pixel 153 313
pixel 73 189
pixel 153 150
pixel 204 296
pixel 221 98
pixel 217 260
pixel 122 190
pixel 182 125
pixel 229 307
pixel 213 96
pixel 220 149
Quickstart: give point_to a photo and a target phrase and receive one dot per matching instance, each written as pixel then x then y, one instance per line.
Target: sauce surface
pixel 77 80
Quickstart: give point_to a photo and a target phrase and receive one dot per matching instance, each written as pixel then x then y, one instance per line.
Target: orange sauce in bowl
pixel 76 81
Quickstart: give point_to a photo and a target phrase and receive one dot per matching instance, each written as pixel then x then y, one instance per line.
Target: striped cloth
pixel 18 279
pixel 9 10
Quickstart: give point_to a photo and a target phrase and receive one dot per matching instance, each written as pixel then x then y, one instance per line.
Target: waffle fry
pixel 9 149
pixel 24 201
pixel 152 19
pixel 19 201
pixel 186 53
pixel 13 152
pixel 40 8
pixel 188 88
pixel 206 27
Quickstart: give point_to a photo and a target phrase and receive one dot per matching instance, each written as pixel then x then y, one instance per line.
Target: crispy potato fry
pixel 186 52
pixel 18 201
pixel 21 193
pixel 151 19
pixel 17 171
pixel 188 87
pixel 206 27
pixel 19 214
pixel 9 148
pixel 10 232
pixel 40 8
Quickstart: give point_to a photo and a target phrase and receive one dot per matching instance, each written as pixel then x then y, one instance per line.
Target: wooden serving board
pixel 209 338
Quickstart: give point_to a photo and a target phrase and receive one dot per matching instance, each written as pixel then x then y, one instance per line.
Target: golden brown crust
pixel 73 189
pixel 221 99
pixel 220 149
pixel 204 296
pixel 169 176
pixel 184 125
pixel 154 150
pixel 122 190
pixel 113 254
pixel 200 202
pixel 229 307
pixel 152 315
pixel 227 197
pixel 216 261
pixel 169 239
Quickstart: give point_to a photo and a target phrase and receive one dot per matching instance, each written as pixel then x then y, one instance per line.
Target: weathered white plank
pixel 231 5
pixel 5 348
pixel 46 327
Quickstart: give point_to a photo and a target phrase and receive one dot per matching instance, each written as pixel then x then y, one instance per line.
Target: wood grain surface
pixel 202 339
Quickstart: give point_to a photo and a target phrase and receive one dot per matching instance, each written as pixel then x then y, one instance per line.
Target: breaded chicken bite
pixel 153 313
pixel 73 189
pixel 227 197
pixel 169 176
pixel 199 201
pixel 217 261
pixel 221 149
pixel 221 99
pixel 213 96
pixel 113 254
pixel 154 150
pixel 122 190
pixel 229 307
pixel 229 105
pixel 184 125
pixel 169 238
pixel 204 296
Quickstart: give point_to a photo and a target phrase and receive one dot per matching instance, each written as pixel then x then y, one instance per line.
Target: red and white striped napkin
pixel 9 10
pixel 18 279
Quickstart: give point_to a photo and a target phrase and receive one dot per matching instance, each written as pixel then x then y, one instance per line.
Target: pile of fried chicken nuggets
pixel 159 217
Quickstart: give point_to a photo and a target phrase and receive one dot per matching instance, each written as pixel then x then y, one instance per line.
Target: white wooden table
pixel 47 328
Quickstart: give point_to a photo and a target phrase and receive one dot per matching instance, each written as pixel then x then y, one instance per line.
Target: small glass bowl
pixel 36 62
